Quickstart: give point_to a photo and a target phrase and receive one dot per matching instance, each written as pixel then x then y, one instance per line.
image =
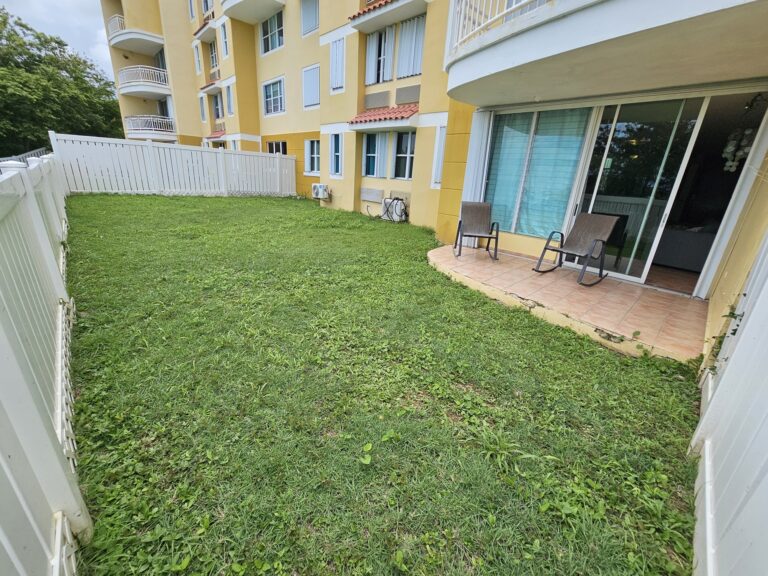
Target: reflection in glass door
pixel 638 153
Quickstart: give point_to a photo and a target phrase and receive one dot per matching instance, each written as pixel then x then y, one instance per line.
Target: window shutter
pixel 311 86
pixel 370 59
pixel 307 156
pixel 381 154
pixel 389 52
pixel 337 64
pixel 309 16
pixel 437 167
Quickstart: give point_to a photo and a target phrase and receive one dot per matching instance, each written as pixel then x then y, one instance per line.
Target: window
pixel 404 145
pixel 191 9
pixel 336 155
pixel 274 102
pixel 277 147
pixel 375 154
pixel 198 61
pixel 380 49
pixel 411 47
pixel 272 33
pixel 214 55
pixel 230 101
pixel 163 109
pixel 310 16
pixel 437 165
pixel 224 39
pixel 160 59
pixel 218 109
pixel 234 145
pixel 207 6
pixel 531 167
pixel 337 65
pixel 202 107
pixel 311 86
pixel 312 156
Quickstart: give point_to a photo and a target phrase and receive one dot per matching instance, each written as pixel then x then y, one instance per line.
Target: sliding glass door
pixel 638 154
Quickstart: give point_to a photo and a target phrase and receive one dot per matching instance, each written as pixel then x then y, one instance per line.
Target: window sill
pixel 271 114
pixel 273 50
pixel 336 176
pixel 312 174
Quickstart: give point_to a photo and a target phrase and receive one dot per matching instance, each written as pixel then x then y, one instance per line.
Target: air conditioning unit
pixel 394 209
pixel 320 192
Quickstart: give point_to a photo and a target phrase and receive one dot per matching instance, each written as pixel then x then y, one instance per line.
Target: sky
pixel 78 22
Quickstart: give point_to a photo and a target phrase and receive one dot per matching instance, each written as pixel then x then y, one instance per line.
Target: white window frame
pixel 235 146
pixel 439 159
pixel 213 55
pixel 338 64
pixel 381 140
pixel 277 147
pixel 191 9
pixel 336 148
pixel 379 65
pixel 281 81
pixel 207 6
pixel 409 156
pixel 304 30
pixel 229 99
pixel 311 157
pixel 198 58
pixel 224 40
pixel 203 105
pixel 280 38
pixel 304 87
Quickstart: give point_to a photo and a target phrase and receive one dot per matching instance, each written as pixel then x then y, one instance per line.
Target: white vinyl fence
pixel 41 507
pixel 134 167
pixel 731 439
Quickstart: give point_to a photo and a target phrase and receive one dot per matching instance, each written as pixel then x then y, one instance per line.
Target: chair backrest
pixel 475 217
pixel 587 229
pixel 617 236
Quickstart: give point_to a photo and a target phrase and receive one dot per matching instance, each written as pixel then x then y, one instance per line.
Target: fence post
pixel 58 154
pixel 279 174
pixel 152 169
pixel 223 172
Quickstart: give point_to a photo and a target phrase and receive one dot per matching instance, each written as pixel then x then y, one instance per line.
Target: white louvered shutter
pixel 337 65
pixel 311 86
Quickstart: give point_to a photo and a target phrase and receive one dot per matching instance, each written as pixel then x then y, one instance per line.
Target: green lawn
pixel 267 387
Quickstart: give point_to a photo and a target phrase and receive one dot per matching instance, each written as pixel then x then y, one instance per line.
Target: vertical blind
pixel 411 48
pixel 337 64
pixel 533 161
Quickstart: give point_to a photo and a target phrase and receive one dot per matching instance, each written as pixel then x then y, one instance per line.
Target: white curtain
pixel 381 154
pixel 370 58
pixel 411 47
pixel 389 52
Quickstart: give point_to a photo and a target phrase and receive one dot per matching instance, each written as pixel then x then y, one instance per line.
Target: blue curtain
pixel 554 158
pixel 509 144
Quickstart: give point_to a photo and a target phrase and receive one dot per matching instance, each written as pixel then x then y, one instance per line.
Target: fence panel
pixel 131 167
pixel 39 496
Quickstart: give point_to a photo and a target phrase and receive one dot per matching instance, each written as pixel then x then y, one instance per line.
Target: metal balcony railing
pixel 115 24
pixel 473 18
pixel 143 74
pixel 149 123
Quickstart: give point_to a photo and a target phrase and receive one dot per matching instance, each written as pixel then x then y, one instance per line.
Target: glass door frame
pixel 580 188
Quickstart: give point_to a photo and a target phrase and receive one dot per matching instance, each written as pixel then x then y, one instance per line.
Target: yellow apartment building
pixel 543 108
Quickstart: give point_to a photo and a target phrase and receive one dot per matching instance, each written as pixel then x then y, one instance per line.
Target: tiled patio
pixel 622 315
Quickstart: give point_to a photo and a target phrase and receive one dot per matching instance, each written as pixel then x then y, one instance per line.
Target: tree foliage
pixel 45 86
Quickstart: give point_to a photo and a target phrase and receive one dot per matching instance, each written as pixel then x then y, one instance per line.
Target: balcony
pixel 523 51
pixel 251 11
pixel 377 15
pixel 132 39
pixel 147 127
pixel 207 32
pixel 143 82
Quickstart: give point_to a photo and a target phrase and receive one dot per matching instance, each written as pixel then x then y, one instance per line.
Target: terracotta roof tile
pixel 217 133
pixel 383 114
pixel 370 8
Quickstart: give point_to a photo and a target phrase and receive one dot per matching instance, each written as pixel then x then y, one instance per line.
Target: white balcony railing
pixel 142 74
pixel 473 18
pixel 150 124
pixel 115 24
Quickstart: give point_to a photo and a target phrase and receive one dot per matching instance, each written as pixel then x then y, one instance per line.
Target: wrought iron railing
pixel 144 74
pixel 148 123
pixel 115 24
pixel 473 18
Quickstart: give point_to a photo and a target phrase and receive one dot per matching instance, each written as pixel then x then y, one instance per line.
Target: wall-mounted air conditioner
pixel 320 192
pixel 394 209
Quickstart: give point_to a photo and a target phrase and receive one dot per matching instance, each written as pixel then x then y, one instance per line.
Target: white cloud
pixel 78 22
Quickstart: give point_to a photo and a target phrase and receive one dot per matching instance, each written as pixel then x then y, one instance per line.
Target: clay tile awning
pixel 217 134
pixel 370 8
pixel 402 112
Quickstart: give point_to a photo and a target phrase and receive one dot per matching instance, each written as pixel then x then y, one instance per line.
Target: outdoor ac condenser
pixel 394 209
pixel 320 192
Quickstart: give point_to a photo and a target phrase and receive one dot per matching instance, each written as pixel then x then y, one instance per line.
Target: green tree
pixel 45 86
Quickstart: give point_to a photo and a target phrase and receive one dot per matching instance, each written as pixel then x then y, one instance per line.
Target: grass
pixel 267 387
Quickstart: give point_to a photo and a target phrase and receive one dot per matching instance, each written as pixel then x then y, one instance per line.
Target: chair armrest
pixel 494 225
pixel 552 235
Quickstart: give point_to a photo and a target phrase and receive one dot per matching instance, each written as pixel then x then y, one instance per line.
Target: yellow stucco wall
pixel 739 256
pixel 295 147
